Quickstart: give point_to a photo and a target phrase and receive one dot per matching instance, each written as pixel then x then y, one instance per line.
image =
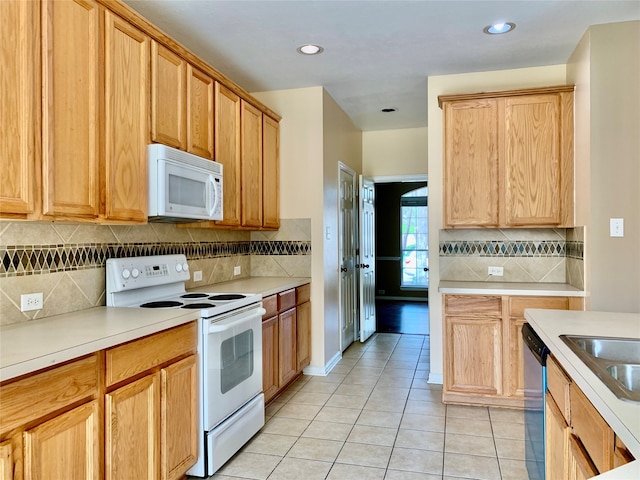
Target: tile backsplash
pixel 527 255
pixel 66 261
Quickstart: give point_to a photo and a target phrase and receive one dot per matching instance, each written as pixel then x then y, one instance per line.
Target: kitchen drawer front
pixel 286 300
pixel 303 294
pixel 270 304
pixel 518 304
pixel 472 305
pixel 592 430
pixel 130 359
pixel 37 395
pixel 558 385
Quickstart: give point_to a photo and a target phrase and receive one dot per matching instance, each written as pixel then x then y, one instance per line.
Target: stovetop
pixel 159 282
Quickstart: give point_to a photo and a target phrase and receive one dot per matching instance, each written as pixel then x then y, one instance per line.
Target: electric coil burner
pixel 231 403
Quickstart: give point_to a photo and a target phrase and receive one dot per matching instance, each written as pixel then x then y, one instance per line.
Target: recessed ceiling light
pixel 389 110
pixel 499 28
pixel 310 49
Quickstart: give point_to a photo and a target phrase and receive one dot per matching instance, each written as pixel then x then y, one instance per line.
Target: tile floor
pixel 376 417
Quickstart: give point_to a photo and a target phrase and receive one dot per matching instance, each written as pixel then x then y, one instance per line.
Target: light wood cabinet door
pixel 580 465
pixel 287 351
pixel 67 446
pixel 556 441
pixel 71 97
pixel 251 138
pixel 270 173
pixel 473 358
pixel 179 418
pixel 471 163
pixel 6 461
pixel 303 333
pixel 532 162
pixel 270 359
pixel 199 113
pixel 126 120
pixel 168 97
pixel 227 148
pixel 19 107
pixel 132 433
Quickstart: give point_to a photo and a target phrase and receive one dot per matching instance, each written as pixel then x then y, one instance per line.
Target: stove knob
pixel 135 273
pixel 178 267
pixel 126 273
pixel 185 266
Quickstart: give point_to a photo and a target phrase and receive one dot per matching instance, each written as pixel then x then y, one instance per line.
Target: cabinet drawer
pixel 270 304
pixel 592 430
pixel 303 294
pixel 558 386
pixel 34 396
pixel 286 300
pixel 135 357
pixel 518 304
pixel 472 305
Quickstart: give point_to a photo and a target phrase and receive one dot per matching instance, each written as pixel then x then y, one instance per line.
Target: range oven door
pixel 232 362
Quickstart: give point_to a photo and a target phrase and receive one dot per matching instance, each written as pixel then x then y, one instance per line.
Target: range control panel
pixel 140 272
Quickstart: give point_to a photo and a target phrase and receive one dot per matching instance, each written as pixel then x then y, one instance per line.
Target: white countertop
pixel 264 285
pixel 29 346
pixel 509 288
pixel 622 416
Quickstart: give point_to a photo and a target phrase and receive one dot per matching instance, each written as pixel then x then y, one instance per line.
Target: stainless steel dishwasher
pixel 535 385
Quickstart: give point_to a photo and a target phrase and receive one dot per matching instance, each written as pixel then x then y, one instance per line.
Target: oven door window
pixel 236 360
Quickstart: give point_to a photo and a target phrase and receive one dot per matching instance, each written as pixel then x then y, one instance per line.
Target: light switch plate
pixel 197 276
pixel 237 270
pixel 616 227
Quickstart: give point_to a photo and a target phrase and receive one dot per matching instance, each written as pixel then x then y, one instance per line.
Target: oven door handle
pixel 218 327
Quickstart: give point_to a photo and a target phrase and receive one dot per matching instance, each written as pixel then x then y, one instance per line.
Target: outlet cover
pixel 197 276
pixel 496 271
pixel 31 301
pixel 237 270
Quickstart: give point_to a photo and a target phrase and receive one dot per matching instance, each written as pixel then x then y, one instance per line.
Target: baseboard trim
pixel 435 378
pixel 323 371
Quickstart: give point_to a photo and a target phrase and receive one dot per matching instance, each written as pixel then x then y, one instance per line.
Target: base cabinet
pixel 286 339
pixel 579 442
pixel 483 347
pixel 119 413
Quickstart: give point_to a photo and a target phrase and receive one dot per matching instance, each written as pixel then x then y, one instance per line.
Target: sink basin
pixel 616 361
pixel 627 374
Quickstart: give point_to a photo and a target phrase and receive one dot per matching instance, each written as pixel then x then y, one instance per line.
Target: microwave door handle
pixel 211 192
pixel 223 327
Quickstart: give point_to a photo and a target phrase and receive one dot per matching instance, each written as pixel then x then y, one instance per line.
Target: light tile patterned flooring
pixel 376 417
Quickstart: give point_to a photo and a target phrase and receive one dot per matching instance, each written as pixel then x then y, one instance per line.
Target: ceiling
pixel 378 53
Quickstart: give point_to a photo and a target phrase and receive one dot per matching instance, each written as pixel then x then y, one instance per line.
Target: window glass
pixel 414 240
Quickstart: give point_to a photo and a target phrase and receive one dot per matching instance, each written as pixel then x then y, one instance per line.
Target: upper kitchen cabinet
pixel 181 103
pixel 19 107
pixel 270 173
pixel 126 120
pixel 508 158
pixel 227 152
pixel 168 97
pixel 71 108
pixel 251 139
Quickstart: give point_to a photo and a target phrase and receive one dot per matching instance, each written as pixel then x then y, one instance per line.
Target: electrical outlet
pixel 31 301
pixel 496 271
pixel 197 276
pixel 237 270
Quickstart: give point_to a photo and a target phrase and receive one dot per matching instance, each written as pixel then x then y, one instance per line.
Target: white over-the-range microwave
pixel 183 187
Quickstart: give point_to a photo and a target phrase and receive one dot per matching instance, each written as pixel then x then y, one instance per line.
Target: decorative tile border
pixel 20 260
pixel 506 248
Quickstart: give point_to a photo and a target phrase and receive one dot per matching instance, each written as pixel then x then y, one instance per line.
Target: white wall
pixel 450 84
pixel 315 134
pixel 394 152
pixel 301 186
pixel 606 69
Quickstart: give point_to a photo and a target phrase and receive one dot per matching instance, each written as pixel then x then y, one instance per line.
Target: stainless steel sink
pixel 616 361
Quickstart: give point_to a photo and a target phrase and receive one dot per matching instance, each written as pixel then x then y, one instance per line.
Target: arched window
pixel 414 238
